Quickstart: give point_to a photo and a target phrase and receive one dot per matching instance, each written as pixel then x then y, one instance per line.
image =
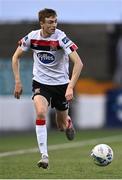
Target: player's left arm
pixel 70 49
pixel 77 67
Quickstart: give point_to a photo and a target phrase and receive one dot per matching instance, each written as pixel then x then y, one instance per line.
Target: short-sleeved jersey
pixel 51 61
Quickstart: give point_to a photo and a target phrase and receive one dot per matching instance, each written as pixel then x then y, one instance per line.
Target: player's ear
pixel 41 23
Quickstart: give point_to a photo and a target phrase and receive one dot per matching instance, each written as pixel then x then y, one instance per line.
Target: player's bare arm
pixel 15 66
pixel 78 65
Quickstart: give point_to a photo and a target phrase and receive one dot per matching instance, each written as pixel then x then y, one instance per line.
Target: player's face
pixel 49 25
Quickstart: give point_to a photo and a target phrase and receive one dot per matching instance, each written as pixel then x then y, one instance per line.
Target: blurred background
pixel 96 27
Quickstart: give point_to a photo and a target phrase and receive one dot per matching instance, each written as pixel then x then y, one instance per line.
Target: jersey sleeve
pixel 24 43
pixel 67 44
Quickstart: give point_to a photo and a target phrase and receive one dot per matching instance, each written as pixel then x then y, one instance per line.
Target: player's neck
pixel 44 34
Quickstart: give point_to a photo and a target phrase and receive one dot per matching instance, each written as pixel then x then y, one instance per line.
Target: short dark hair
pixel 46 13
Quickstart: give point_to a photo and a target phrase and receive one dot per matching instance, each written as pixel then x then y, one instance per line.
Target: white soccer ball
pixel 102 154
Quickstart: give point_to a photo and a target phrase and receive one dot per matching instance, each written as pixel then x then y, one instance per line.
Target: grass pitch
pixel 68 160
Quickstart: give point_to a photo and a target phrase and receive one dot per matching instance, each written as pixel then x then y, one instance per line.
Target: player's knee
pixel 41 114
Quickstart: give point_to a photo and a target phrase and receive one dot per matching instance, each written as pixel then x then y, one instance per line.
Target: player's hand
pixel 69 93
pixel 18 90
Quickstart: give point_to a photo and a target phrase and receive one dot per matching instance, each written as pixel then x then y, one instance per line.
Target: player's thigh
pixel 41 104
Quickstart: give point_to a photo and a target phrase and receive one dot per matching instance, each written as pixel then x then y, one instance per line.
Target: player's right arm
pixel 16 71
pixel 23 46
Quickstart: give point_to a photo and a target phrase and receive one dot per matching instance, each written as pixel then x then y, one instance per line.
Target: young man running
pixel 52 50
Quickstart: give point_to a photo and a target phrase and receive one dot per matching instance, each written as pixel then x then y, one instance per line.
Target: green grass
pixel 70 163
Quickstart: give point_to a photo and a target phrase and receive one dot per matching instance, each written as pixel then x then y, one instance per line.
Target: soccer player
pixel 52 50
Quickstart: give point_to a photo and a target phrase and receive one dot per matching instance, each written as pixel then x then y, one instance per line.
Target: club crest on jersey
pixel 65 40
pixel 53 46
pixel 45 57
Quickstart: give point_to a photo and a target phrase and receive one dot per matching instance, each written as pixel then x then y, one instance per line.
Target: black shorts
pixel 55 94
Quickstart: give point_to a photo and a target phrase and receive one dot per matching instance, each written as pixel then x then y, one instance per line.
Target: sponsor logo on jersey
pixel 65 40
pixel 45 57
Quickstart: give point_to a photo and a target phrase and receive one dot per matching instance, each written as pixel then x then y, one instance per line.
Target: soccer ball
pixel 102 154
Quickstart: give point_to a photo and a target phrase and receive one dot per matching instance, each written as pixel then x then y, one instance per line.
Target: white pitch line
pixel 108 139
